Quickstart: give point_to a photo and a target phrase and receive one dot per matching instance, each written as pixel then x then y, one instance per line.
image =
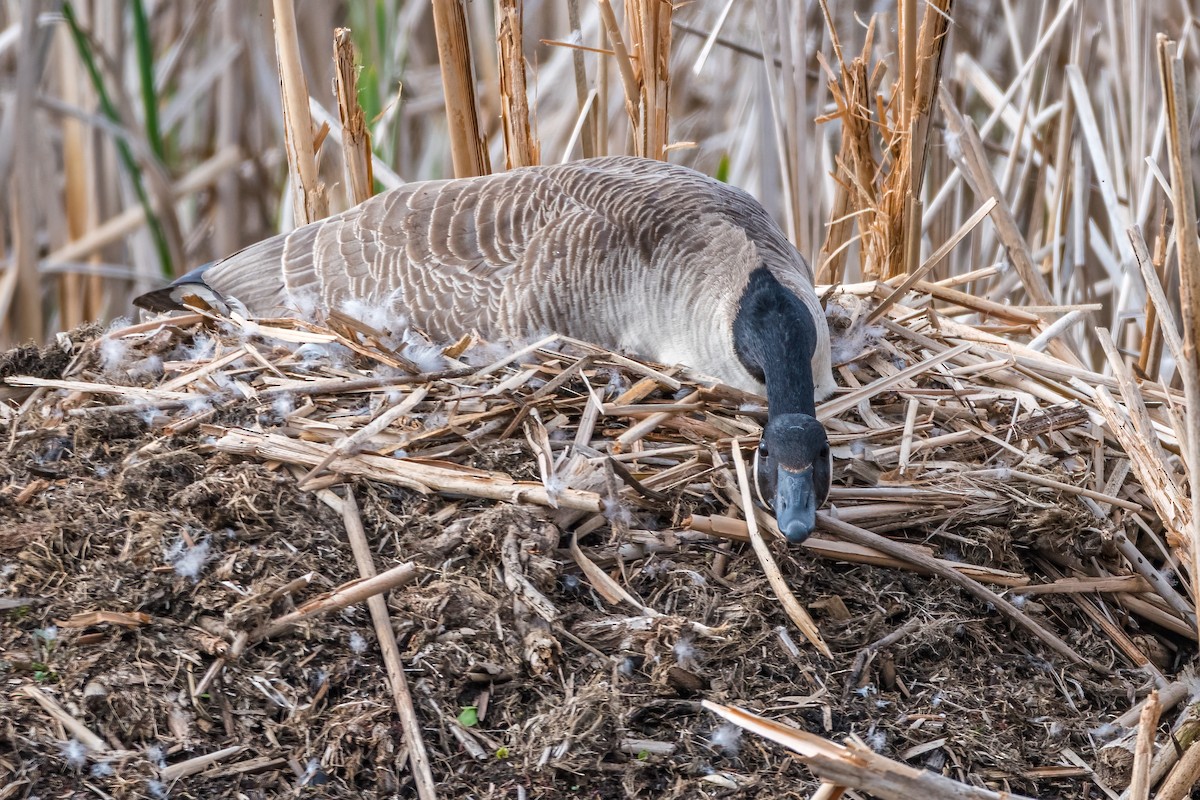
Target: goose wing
pixel 444 256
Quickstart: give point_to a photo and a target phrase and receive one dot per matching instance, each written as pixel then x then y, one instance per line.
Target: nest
pixel 195 510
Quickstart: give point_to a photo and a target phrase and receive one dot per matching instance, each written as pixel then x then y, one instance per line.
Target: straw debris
pixel 561 562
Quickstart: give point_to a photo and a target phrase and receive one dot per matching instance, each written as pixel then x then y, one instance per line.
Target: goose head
pixel 793 471
pixel 775 337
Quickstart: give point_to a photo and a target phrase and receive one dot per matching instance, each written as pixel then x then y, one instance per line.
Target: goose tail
pixel 186 291
pixel 249 279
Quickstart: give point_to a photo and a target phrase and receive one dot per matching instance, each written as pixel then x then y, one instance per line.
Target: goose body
pixel 651 258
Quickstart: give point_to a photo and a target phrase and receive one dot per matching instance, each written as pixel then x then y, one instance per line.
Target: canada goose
pixel 655 259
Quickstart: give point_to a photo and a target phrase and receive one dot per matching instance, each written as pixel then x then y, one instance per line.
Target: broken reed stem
pixel 356 137
pixel 1139 786
pixel 392 660
pixel 934 27
pixel 856 169
pixel 308 193
pixel 1183 778
pixel 795 611
pixel 341 597
pixel 520 148
pixel 855 766
pixel 467 148
pixel 198 764
pixel 971 161
pixel 1184 205
pixel 82 733
pixel 25 309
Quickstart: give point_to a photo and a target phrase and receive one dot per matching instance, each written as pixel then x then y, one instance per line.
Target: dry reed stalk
pixel 352 441
pixel 1139 787
pixel 344 596
pixel 935 26
pixel 468 150
pixel 587 109
pixel 906 39
pixel 738 530
pixel 520 148
pixel 380 171
pixel 916 275
pixel 25 312
pixel 1182 779
pixel 649 23
pixel 308 192
pixel 197 764
pixel 968 154
pixel 228 220
pixel 902 223
pixel 795 611
pixel 855 175
pixel 1150 350
pixel 1118 215
pixel 1159 327
pixel 1184 204
pixel 75 727
pixel 77 194
pixel 782 31
pixel 854 765
pixel 407 473
pixel 1167 698
pixel 884 197
pixel 1134 429
pixel 356 138
pixel 1113 583
pixel 920 82
pixel 631 73
pixel 393 662
pixel 1184 737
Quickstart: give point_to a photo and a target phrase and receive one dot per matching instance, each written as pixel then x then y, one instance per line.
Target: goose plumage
pixel 654 259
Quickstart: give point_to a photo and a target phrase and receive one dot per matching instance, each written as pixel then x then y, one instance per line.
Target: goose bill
pixel 796 503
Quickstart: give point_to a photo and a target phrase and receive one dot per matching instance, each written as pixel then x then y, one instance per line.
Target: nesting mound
pixel 558 534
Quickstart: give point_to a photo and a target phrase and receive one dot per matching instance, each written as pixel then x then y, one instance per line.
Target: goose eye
pixel 824 451
pixel 762 449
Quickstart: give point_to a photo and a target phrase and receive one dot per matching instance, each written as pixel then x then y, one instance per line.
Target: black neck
pixel 774 336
